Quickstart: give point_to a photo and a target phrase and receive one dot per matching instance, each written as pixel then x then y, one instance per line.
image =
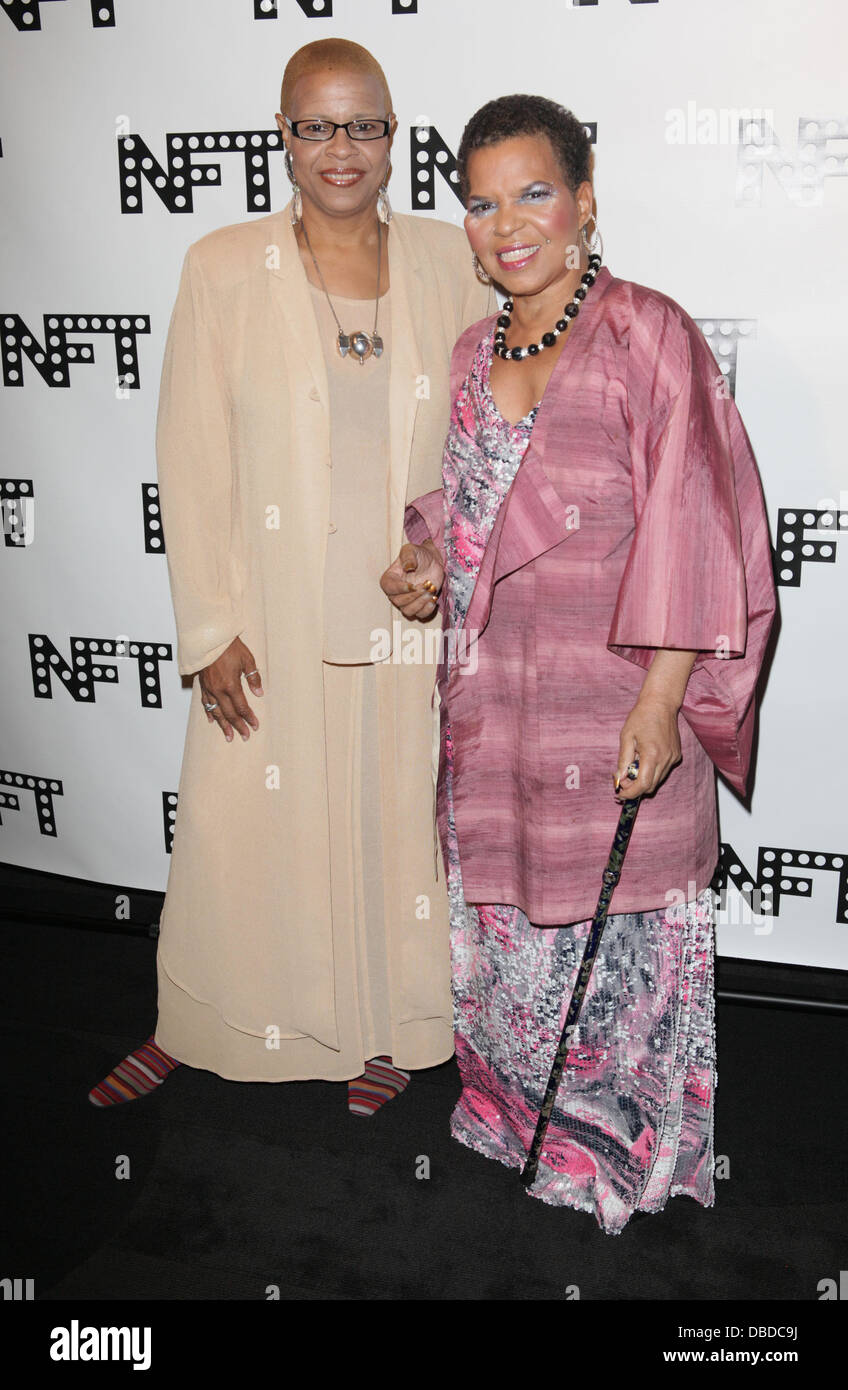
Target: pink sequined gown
pixel 633 1121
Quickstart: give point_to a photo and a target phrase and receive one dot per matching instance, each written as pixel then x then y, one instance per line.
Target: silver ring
pixel 251 673
pixel 214 705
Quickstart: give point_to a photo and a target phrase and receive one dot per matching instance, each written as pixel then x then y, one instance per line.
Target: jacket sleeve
pixel 425 519
pixel 195 477
pixel 699 570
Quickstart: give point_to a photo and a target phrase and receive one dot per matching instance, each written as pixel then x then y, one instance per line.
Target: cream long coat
pixel 243 447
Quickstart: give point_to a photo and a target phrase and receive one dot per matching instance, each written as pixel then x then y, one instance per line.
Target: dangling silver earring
pixel 482 275
pixel 596 246
pixel 384 207
pixel 297 201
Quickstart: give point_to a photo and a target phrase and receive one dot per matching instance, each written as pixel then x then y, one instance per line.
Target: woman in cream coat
pixel 305 925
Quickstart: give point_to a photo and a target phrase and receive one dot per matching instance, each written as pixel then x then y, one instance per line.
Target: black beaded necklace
pixel 548 339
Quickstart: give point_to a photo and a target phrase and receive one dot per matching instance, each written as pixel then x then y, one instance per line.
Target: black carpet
pixel 236 1187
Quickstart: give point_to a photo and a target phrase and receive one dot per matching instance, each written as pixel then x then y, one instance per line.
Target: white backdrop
pixel 749 236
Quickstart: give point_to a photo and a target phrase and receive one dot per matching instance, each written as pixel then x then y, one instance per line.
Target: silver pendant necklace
pixel 361 344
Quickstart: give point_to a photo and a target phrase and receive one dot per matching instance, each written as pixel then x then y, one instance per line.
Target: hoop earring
pixel 596 246
pixel 384 207
pixel 297 201
pixel 482 275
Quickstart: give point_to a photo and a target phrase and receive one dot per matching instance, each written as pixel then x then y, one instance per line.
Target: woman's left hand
pixel 413 581
pixel 650 731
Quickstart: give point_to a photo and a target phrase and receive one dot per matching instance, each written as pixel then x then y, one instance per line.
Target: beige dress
pixel 304 928
pixel 358 782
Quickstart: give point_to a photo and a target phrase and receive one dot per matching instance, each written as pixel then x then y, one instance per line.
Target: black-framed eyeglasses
pixel 367 129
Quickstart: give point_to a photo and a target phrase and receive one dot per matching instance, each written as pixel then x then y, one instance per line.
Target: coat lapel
pixel 533 517
pixel 292 296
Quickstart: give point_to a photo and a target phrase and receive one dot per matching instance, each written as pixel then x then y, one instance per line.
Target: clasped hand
pixel 650 730
pixel 406 579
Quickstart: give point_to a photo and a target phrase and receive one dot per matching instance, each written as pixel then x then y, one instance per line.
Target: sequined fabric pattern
pixel 481 458
pixel 633 1121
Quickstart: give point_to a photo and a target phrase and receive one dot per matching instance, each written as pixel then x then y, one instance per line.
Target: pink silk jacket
pixel 636 520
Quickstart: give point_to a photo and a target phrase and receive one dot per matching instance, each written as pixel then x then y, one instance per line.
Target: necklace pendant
pixel 360 346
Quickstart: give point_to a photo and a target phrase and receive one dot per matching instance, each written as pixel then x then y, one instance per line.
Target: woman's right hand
pixel 220 683
pixel 404 580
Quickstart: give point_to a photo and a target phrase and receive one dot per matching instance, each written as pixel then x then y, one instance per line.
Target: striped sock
pixel 381 1081
pixel 142 1071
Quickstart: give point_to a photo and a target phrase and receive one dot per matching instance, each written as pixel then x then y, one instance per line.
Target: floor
pixel 233 1188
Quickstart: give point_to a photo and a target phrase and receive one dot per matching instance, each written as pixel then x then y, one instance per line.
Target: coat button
pixel 313 394
pixel 331 528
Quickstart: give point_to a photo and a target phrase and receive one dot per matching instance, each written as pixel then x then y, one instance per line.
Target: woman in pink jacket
pixel 601 550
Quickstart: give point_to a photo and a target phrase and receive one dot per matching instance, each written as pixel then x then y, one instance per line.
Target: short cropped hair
pixel 324 55
pixel 508 117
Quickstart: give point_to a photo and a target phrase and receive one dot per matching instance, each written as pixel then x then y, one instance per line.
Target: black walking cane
pixel 612 873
